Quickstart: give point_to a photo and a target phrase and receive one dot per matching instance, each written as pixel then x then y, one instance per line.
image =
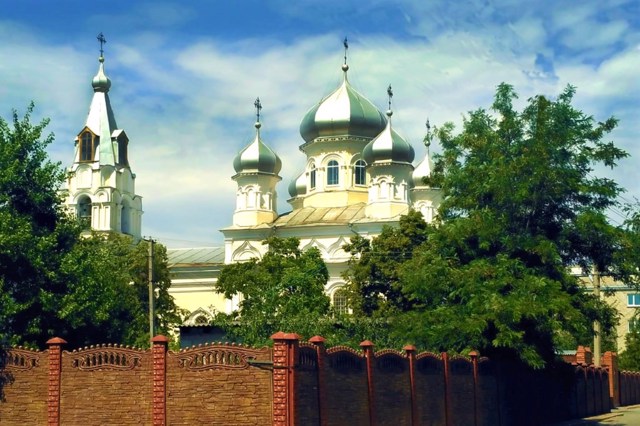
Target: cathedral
pixel 359 176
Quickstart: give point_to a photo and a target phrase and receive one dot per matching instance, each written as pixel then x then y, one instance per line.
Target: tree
pixel 52 281
pixel 107 295
pixel 283 291
pixel 34 232
pixel 520 207
pixel 373 273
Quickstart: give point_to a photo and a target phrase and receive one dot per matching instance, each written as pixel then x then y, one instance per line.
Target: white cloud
pixel 188 106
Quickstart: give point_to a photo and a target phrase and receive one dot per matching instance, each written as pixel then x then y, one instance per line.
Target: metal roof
pixel 195 256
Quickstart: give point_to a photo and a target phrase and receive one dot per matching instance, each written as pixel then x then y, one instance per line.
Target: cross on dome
pixel 102 41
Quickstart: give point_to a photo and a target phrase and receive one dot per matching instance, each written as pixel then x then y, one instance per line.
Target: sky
pixel 185 75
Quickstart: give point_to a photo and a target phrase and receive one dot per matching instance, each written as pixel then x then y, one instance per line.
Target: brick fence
pixel 298 383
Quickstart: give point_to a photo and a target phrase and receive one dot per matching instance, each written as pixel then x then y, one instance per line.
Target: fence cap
pixel 367 344
pixel 160 339
pixel 56 341
pixel 317 339
pixel 409 348
pixel 280 335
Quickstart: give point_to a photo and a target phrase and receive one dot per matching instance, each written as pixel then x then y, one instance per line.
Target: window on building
pixel 125 218
pixel 333 172
pixel 312 177
pixel 633 299
pixel 122 151
pixel 360 173
pixel 201 320
pixel 87 145
pixel 340 304
pixel 84 212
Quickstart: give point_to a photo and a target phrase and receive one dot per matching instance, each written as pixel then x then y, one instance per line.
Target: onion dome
pixel 343 112
pixel 422 170
pixel 101 82
pixel 257 157
pixel 298 186
pixel 388 146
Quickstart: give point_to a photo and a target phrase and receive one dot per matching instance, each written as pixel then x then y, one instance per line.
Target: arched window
pixel 125 218
pixel 201 320
pixel 84 211
pixel 86 146
pixel 360 173
pixel 340 302
pixel 333 172
pixel 312 177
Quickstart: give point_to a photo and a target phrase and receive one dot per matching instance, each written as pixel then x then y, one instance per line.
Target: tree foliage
pixel 283 291
pixel 521 205
pixel 52 281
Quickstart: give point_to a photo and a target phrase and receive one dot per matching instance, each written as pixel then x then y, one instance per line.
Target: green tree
pixel 283 291
pixel 520 207
pixel 34 232
pixel 107 297
pixel 373 274
pixel 52 281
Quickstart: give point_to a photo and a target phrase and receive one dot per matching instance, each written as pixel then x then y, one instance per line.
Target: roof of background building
pixel 195 256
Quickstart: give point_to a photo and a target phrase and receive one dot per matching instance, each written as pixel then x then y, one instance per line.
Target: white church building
pixel 359 176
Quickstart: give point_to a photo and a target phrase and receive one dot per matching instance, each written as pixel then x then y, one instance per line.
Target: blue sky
pixel 185 75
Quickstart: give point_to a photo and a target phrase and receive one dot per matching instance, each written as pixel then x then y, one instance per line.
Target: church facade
pixel 100 186
pixel 358 177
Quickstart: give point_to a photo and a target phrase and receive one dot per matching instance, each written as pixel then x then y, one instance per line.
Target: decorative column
pixel 447 389
pixel 321 352
pixel 367 348
pixel 410 350
pixel 55 371
pixel 474 361
pixel 285 355
pixel 610 362
pixel 159 345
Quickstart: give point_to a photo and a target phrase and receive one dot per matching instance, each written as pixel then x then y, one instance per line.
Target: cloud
pixel 186 101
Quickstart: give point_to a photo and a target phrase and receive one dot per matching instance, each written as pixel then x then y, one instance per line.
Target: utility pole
pixel 151 290
pixel 597 338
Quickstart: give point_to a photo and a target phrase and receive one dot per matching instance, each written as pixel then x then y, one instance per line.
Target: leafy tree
pixel 52 281
pixel 520 207
pixel 283 291
pixel 107 296
pixel 34 233
pixel 373 271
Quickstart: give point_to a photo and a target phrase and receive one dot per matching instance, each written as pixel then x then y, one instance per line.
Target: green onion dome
pixel 298 186
pixel 257 157
pixel 343 112
pixel 388 146
pixel 101 82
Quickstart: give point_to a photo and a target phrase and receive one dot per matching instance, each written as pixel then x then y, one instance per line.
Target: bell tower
pixel 100 183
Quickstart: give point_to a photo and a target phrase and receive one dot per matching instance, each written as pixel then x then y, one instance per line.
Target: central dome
pixel 344 112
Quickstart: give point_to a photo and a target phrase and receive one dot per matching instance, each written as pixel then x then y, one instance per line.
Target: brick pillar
pixel 584 355
pixel 285 356
pixel 474 361
pixel 321 352
pixel 447 389
pixel 159 345
pixel 610 362
pixel 367 348
pixel 410 350
pixel 55 371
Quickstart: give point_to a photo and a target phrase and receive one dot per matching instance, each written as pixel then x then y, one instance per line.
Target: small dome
pixel 298 186
pixel 257 157
pixel 388 146
pixel 422 170
pixel 101 82
pixel 343 112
